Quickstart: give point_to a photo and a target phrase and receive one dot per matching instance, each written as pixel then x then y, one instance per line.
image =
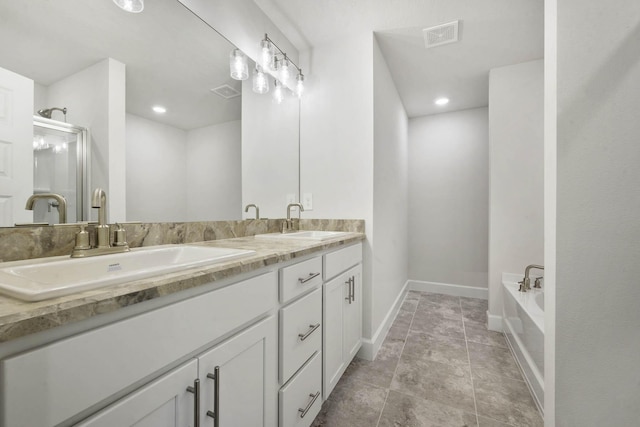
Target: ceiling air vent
pixel 225 91
pixel 441 34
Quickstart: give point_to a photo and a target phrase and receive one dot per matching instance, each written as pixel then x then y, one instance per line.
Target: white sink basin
pixel 59 276
pixel 303 235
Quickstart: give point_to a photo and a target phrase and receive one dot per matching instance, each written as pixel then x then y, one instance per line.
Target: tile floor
pixel 438 366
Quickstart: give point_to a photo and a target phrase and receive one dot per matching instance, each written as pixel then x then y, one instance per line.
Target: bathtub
pixel 523 325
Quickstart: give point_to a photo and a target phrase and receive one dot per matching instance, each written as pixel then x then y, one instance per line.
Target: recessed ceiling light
pixel 441 101
pixel 133 6
pixel 159 109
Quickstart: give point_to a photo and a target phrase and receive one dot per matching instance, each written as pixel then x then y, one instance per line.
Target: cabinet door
pixel 243 370
pixel 352 322
pixel 163 403
pixel 335 293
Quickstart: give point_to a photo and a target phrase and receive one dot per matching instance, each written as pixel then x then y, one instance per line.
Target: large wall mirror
pixel 216 148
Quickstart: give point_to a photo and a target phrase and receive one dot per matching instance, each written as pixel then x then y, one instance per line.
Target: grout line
pixel 466 344
pixel 400 357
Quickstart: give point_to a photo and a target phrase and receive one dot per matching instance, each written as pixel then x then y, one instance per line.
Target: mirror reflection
pixel 170 135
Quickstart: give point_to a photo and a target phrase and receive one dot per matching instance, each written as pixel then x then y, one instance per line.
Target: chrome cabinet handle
pixel 196 399
pixel 304 411
pixel 215 414
pixel 348 298
pixel 309 332
pixel 309 277
pixel 353 288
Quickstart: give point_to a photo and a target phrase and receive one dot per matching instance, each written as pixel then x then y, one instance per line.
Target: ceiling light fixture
pixel 133 6
pixel 159 109
pixel 441 101
pixel 238 65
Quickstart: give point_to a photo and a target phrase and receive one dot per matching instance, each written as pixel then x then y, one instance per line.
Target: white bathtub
pixel 523 324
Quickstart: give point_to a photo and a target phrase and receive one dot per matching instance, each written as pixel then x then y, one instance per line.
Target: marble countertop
pixel 19 318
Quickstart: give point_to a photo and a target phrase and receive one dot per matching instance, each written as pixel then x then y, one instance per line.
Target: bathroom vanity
pixel 259 341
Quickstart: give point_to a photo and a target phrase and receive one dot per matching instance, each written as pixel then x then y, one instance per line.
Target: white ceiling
pixel 494 33
pixel 172 58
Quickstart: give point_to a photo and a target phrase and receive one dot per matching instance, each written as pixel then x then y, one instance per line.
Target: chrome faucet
pixel 287 224
pixel 246 209
pixel 62 204
pixel 525 283
pixel 103 244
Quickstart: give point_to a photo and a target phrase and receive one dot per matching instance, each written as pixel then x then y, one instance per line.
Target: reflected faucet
pixel 62 204
pixel 246 209
pixel 525 284
pixel 287 224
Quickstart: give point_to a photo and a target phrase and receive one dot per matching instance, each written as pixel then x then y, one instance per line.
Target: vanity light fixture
pixel 133 6
pixel 159 109
pixel 276 60
pixel 441 101
pixel 238 65
pixel 260 80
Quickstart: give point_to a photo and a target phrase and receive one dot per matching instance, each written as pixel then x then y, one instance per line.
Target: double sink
pixel 41 279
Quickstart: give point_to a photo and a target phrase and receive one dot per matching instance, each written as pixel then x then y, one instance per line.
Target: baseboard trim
pixel 494 323
pixel 370 347
pixel 449 289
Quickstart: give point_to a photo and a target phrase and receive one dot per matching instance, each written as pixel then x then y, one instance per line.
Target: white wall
pixel 94 98
pixel 156 164
pixel 270 150
pixel 448 198
pixel 597 319
pixel 516 195
pixel 336 140
pixel 213 173
pixel 391 192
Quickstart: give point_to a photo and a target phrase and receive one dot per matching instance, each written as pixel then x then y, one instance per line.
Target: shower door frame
pixel 81 159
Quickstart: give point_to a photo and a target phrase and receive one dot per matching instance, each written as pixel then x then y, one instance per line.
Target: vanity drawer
pixel 300 333
pixel 299 278
pixel 340 260
pixel 301 399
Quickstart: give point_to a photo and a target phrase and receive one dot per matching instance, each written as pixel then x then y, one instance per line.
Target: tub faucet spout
pixel 525 284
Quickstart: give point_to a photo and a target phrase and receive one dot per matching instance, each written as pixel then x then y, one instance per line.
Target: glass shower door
pixel 59 161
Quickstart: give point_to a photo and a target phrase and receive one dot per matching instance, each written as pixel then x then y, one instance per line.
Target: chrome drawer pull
pixel 215 414
pixel 311 276
pixel 309 332
pixel 304 411
pixel 196 401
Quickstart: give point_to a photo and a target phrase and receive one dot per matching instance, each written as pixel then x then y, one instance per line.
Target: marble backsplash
pixel 38 242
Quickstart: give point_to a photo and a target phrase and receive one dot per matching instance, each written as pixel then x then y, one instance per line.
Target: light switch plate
pixel 307 201
pixel 291 198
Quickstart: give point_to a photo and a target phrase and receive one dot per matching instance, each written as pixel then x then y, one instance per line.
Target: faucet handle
pixel 120 236
pixel 82 238
pixel 536 283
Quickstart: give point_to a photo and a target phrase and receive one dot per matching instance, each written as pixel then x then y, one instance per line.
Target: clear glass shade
pixel 238 65
pixel 299 85
pixel 260 81
pixel 278 92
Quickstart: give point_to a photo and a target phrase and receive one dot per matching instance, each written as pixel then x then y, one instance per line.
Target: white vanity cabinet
pixel 54 383
pixel 234 382
pixel 342 313
pixel 300 343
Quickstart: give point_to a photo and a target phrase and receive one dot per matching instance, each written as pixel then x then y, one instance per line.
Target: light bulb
pixel 284 71
pixel 133 6
pixel 299 85
pixel 266 53
pixel 441 101
pixel 238 65
pixel 278 93
pixel 260 81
